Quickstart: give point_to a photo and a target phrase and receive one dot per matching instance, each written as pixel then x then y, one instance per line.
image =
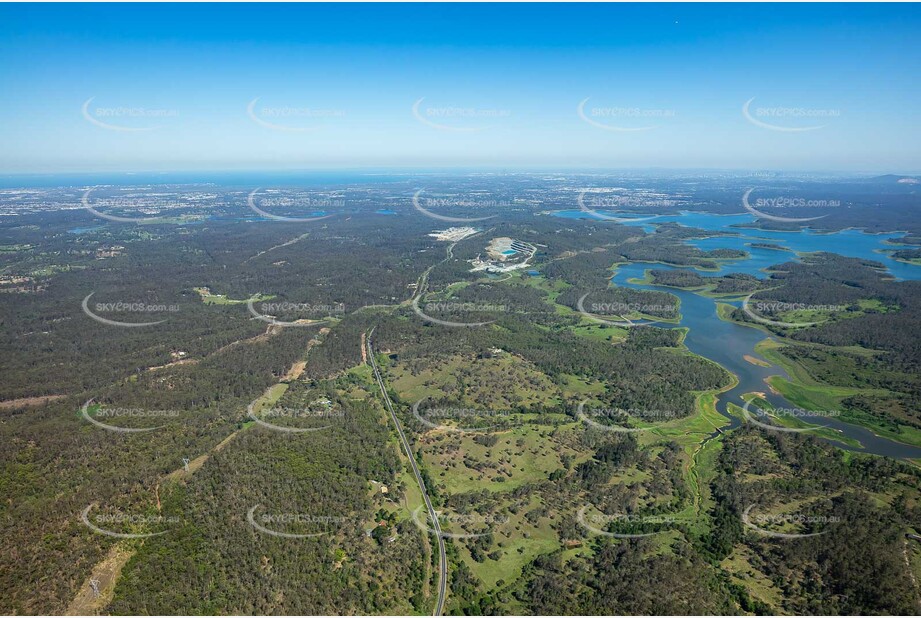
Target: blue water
pixel 509 252
pixel 727 343
pixel 84 230
pixel 851 243
pixel 227 179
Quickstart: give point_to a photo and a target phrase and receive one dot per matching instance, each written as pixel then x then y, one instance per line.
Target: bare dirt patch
pixel 28 402
pixel 87 602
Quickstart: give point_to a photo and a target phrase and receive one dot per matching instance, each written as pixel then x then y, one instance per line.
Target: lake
pixel 727 343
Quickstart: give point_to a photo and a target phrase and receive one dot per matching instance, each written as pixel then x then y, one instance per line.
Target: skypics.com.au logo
pixel 788 119
pixel 95 414
pixel 753 309
pixel 125 308
pixel 458 119
pixel 786 202
pixel 433 417
pixel 476 204
pixel 102 523
pixel 616 419
pixel 485 523
pixel 623 526
pixel 757 523
pixel 455 308
pixel 621 310
pixel 126 119
pixel 274 524
pixel 798 414
pixel 287 119
pixel 140 205
pixel 605 201
pixel 303 314
pixel 322 411
pixel 623 119
pixel 317 207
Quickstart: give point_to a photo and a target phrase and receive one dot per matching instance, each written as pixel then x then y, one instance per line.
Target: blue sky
pixel 172 87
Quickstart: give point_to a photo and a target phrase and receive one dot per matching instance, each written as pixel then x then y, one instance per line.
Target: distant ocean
pixel 223 179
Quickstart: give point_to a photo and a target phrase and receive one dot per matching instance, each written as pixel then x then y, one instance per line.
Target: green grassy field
pixel 502 382
pixel 221 299
pixel 519 541
pixel 522 455
pixel 830 397
pixel 792 422
pixel 525 454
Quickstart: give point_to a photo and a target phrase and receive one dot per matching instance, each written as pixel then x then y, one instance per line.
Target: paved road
pixel 442 556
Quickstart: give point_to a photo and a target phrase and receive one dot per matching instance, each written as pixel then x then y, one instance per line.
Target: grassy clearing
pixel 461 463
pixel 575 386
pixel 504 381
pixel 586 327
pixel 770 349
pixel 693 435
pixel 818 316
pixel 703 472
pixel 270 397
pixel 830 397
pixel 740 567
pixel 724 311
pixel 792 422
pixel 519 541
pixel 221 299
pixel 500 461
pixel 593 330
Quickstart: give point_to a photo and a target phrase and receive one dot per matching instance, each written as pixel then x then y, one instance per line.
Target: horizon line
pixel 458 168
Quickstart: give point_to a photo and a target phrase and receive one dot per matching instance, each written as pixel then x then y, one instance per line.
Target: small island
pixel 909 256
pixel 768 245
pixel 756 361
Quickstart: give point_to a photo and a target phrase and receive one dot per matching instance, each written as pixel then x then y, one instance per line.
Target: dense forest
pixel 321 476
pixel 667 501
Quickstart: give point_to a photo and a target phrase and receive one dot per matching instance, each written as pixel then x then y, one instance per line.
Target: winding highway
pixel 442 556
